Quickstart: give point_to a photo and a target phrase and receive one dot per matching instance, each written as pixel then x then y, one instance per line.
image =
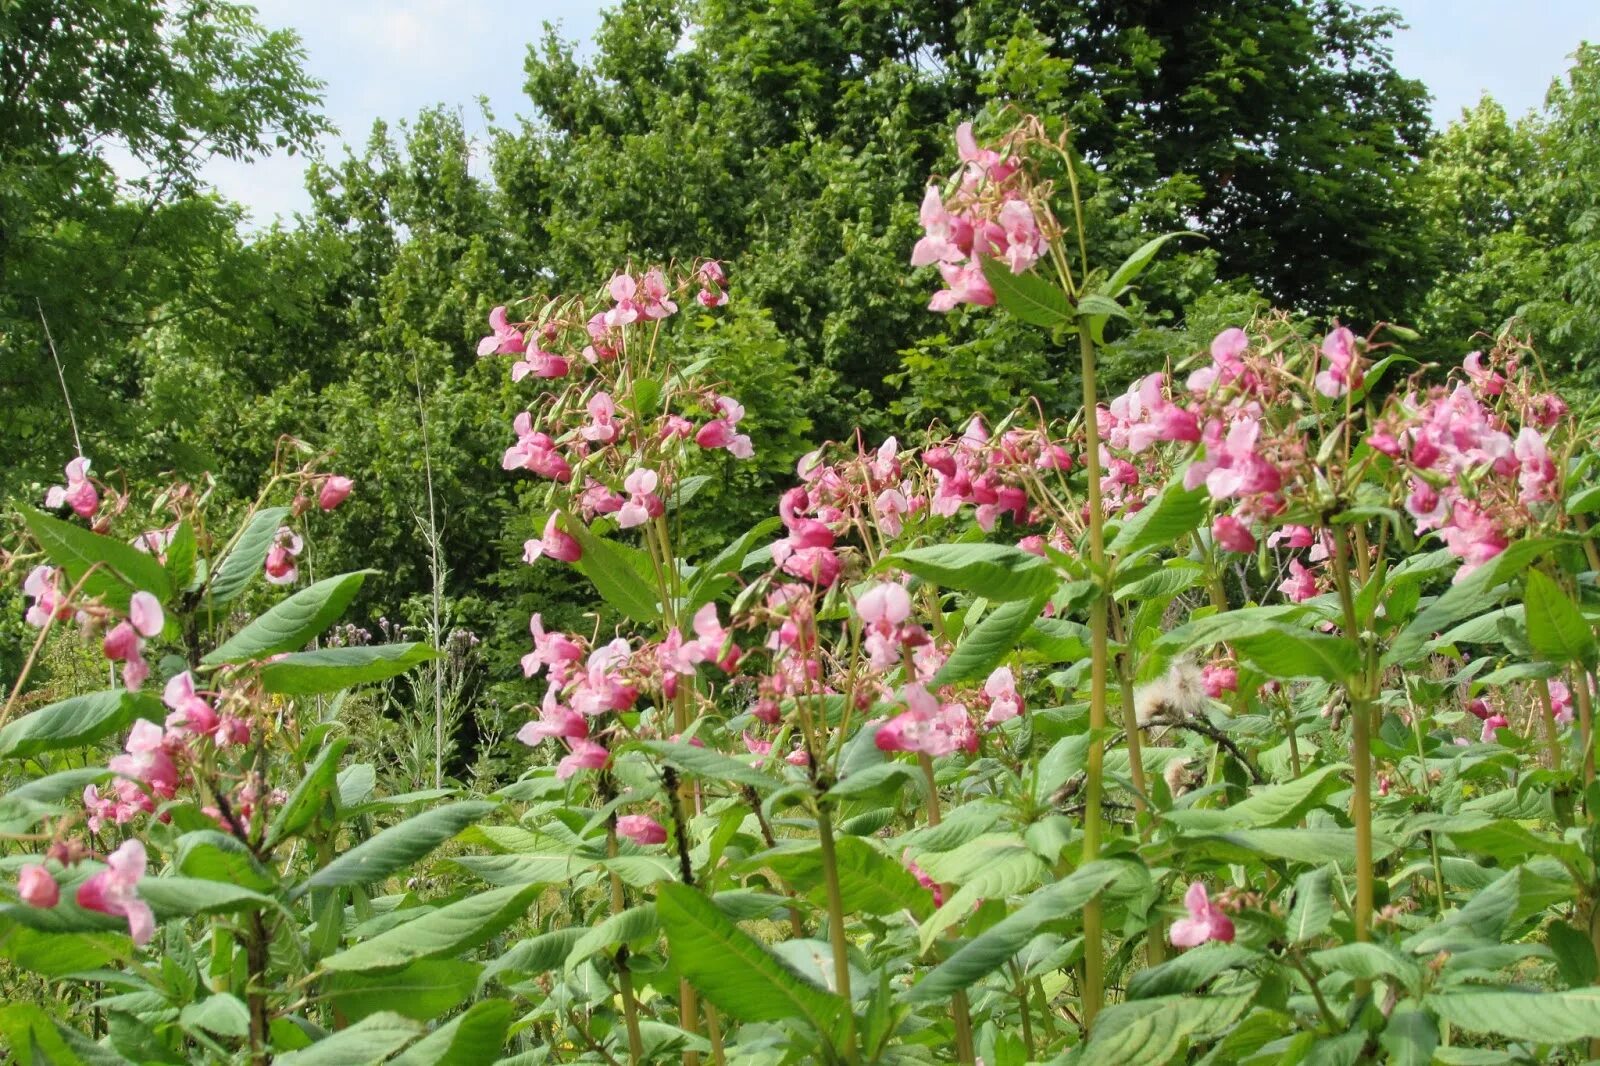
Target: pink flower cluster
pixel 113 890
pixel 987 216
pixel 1472 479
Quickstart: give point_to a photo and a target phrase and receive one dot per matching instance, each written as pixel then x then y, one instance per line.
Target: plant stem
pixel 836 937
pixel 1551 740
pixel 1093 934
pixel 1580 689
pixel 960 1006
pixel 1361 738
pixel 630 1006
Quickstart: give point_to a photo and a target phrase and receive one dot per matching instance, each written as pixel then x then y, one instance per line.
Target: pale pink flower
pixel 1205 922
pixel 585 755
pixel 1005 703
pixel 144 611
pixel 190 712
pixel 548 648
pixel 538 363
pixel 623 289
pixel 1486 380
pixel 1024 243
pixel 555 542
pixel 1561 702
pixel 643 503
pixel 657 302
pixel 1300 585
pixel 602 426
pixel 1343 372
pixel 114 891
pixel 43 586
pixel 1490 724
pixel 886 602
pixel 146 761
pixel 926 726
pixel 504 338
pixel 555 720
pixel 965 284
pixel 1473 536
pixel 78 493
pixel 1537 474
pixel 36 887
pixel 280 565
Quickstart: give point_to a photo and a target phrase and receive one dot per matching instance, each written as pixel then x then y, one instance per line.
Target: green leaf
pixel 1368 962
pixel 1151 1032
pixel 181 552
pixel 370 1040
pixel 56 954
pixel 76 722
pixel 122 568
pixel 869 881
pixel 523 869
pixel 535 955
pixel 1543 1017
pixel 1141 258
pixel 249 554
pixel 215 856
pixel 1410 1038
pixel 453 928
pixel 175 897
pixel 1312 911
pixel 1267 806
pixel 734 971
pixel 1189 971
pixel 996 571
pixel 994 947
pixel 475 1037
pixel 621 574
pixel 1481 920
pixel 423 990
pixel 310 673
pixel 1472 595
pixel 1028 296
pixel 1284 651
pixel 633 924
pixel 310 796
pixel 291 624
pixel 1007 870
pixel 709 765
pixel 987 644
pixel 219 1013
pixel 1098 305
pixel 1556 628
pixel 1574 953
pixel 396 847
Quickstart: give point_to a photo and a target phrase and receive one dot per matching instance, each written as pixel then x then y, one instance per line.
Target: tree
pixel 108 111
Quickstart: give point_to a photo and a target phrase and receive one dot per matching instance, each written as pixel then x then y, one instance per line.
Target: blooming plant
pixel 1243 716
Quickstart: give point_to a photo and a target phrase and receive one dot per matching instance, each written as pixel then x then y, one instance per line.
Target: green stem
pixel 836 937
pixel 1358 690
pixel 960 1006
pixel 1093 932
pixel 630 1006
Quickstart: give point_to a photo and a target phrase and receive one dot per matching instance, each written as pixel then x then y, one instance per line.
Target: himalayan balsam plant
pixel 1245 716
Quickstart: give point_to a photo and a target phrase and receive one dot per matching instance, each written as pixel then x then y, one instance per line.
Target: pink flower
pixel 713 284
pixel 1490 724
pixel 1537 471
pixel 1344 365
pixel 555 720
pixel 586 755
pixel 36 887
pixel 1205 922
pixel 1219 679
pixel 1473 536
pixel 78 493
pixel 1005 702
pixel 43 586
pixel 1484 379
pixel 622 289
pixel 121 643
pixel 280 565
pixel 1300 585
pixel 146 761
pixel 923 879
pixel 1228 350
pixel 926 726
pixel 1290 536
pixel 144 611
pixel 1232 535
pixel 890 507
pixel 535 451
pixel 601 427
pixel 942 232
pixel 657 303
pixel 643 503
pixel 549 649
pixel 641 829
pixel 555 542
pixel 1024 243
pixel 505 339
pixel 886 603
pixel 334 490
pixel 965 285
pixel 189 711
pixel 113 891
pixel 1561 702
pixel 540 364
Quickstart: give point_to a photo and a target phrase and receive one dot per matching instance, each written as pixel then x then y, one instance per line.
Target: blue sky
pixel 390 58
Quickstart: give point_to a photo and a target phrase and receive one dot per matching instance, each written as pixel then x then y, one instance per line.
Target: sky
pixel 389 59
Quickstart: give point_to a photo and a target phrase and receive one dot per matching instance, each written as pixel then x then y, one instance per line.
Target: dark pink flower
pixel 1218 679
pixel 555 720
pixel 641 829
pixel 555 542
pixel 189 712
pixel 585 755
pixel 1490 725
pixel 1205 922
pixel 1232 535
pixel 280 566
pixel 1300 585
pixel 334 490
